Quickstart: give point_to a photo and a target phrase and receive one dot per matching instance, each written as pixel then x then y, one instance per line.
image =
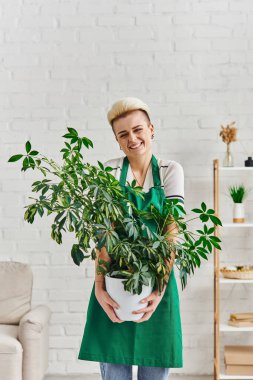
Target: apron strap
pixel 155 171
pixel 124 170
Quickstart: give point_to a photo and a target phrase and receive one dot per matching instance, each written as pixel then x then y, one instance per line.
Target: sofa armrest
pixel 33 334
pixel 35 320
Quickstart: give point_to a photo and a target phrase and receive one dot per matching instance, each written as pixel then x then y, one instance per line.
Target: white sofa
pixel 23 331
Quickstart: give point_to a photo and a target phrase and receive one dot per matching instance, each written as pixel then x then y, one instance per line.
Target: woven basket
pixel 240 272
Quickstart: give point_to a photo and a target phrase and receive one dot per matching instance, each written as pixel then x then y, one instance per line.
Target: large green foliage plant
pixel 88 200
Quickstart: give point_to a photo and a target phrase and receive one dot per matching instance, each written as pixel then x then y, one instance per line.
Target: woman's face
pixel 133 133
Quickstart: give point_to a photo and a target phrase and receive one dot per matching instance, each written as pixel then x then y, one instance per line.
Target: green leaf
pixel 73 131
pixel 203 205
pixel 215 220
pixel 202 254
pixel 204 218
pixel 214 238
pixel 76 254
pixel 28 146
pixel 25 164
pixel 33 153
pixel 87 142
pixel 16 157
pixel 68 136
pixel 101 165
pixel 156 244
pixel 197 210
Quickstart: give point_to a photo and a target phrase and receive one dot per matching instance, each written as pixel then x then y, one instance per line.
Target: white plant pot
pixel 128 302
pixel 238 213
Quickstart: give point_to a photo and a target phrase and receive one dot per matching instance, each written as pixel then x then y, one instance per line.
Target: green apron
pixel 156 342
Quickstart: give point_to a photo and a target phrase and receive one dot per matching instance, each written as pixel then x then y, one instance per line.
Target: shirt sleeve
pixel 173 180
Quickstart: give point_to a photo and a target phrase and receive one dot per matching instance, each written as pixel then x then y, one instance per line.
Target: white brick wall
pixel 64 63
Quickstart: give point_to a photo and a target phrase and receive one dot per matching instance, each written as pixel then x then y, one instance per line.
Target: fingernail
pixel 143 301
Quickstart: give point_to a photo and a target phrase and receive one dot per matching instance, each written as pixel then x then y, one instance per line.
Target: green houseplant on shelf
pixel 88 201
pixel 238 194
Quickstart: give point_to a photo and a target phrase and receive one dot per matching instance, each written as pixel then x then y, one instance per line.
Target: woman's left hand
pixel 154 299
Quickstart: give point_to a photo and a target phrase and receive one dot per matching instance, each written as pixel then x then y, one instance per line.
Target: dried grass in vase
pixel 228 135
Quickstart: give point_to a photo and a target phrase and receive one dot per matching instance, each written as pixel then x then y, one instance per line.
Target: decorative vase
pixel 128 302
pixel 238 213
pixel 228 159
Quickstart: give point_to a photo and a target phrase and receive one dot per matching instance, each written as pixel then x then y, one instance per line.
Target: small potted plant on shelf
pixel 88 201
pixel 228 135
pixel 238 194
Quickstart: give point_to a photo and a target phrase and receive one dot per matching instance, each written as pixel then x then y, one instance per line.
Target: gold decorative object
pixel 243 272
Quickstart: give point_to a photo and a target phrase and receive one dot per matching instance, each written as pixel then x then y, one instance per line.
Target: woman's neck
pixel 140 164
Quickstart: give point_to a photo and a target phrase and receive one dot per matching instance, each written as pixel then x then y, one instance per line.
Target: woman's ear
pixel 152 128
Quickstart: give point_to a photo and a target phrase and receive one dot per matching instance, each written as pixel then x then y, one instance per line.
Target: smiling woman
pixel 116 344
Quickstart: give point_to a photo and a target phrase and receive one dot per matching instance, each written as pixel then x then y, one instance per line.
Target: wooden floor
pixel 98 377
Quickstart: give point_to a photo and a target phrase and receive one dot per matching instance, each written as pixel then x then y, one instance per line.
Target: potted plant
pixel 88 201
pixel 238 194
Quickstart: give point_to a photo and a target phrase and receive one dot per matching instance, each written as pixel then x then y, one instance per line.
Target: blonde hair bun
pixel 125 105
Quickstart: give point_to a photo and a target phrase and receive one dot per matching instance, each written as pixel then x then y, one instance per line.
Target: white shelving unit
pixel 218 280
pixel 235 377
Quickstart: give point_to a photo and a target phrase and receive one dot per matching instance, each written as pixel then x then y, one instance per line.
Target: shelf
pixel 236 377
pixel 237 225
pixel 234 281
pixel 227 328
pixel 234 168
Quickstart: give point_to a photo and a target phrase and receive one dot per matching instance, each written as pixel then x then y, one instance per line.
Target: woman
pixel 154 342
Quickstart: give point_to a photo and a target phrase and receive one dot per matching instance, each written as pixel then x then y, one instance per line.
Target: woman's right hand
pixel 107 303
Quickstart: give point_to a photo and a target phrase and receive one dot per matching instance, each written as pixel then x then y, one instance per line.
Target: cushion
pixel 15 291
pixel 8 340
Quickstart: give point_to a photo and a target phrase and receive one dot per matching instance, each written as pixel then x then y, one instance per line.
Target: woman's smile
pixel 136 146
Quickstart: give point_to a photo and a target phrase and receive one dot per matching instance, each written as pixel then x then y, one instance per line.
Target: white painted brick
pixel 76 21
pixel 22 35
pixel 136 33
pixel 67 318
pixel 24 100
pixel 213 6
pixel 225 19
pixel 230 44
pixel 153 19
pixel 29 125
pixel 191 18
pixel 172 31
pixel 186 44
pixel 242 6
pixel 172 6
pixel 14 60
pixel 66 355
pixel 59 35
pixel 56 330
pixel 115 20
pixel 77 306
pixel 210 59
pixel 8 22
pixel 211 31
pixel 60 8
pixel 92 7
pixel 40 21
pixel 73 331
pixel 68 295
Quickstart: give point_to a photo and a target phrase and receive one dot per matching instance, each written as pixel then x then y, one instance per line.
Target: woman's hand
pixel 107 303
pixel 154 299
